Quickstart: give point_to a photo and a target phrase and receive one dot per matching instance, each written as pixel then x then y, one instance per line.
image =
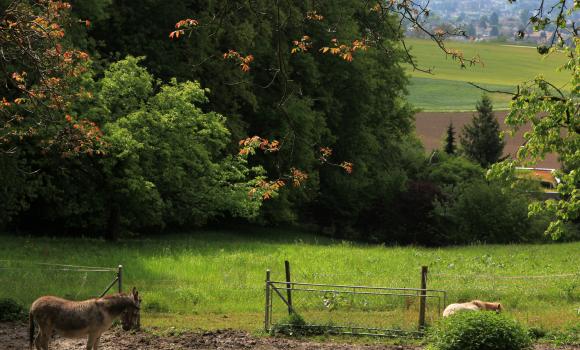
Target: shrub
pixel 537 333
pixel 453 170
pixel 485 212
pixel 10 310
pixel 478 331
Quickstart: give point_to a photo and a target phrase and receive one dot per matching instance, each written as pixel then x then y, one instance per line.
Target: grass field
pixel 212 280
pixel 504 66
pixel 438 95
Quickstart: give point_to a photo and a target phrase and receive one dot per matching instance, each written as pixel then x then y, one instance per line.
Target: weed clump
pixel 295 325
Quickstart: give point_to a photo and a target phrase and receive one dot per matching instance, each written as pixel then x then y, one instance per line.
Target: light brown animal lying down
pixel 474 305
pixel 74 319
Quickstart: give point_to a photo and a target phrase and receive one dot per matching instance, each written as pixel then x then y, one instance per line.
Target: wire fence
pixel 352 309
pixel 24 281
pixel 388 311
pixel 550 288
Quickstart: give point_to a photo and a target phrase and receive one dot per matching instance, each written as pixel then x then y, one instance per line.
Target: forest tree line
pixel 168 119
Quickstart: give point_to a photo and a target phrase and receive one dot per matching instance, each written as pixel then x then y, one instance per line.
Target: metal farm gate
pixel 350 309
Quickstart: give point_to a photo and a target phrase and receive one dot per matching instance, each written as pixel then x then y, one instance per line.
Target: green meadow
pixel 210 280
pixel 503 67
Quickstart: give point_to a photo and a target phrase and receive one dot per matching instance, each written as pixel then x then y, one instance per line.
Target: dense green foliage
pixel 169 152
pixel 162 162
pixel 557 131
pixel 449 201
pixel 165 129
pixel 479 331
pixel 486 212
pixel 309 103
pixel 151 167
pixel 481 140
pixel 453 171
pixel 10 310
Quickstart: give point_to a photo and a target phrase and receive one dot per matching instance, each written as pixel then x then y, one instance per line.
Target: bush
pixel 478 331
pixel 10 310
pixel 453 170
pixel 479 211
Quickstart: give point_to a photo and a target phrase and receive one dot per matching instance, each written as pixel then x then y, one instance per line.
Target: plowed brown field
pixel 431 128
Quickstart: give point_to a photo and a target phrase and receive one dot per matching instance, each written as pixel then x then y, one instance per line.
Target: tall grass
pixel 216 279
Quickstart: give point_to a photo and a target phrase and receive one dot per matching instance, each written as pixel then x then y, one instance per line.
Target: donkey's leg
pixel 41 341
pixel 96 344
pixel 93 341
pixel 38 342
pixel 90 341
pixel 43 337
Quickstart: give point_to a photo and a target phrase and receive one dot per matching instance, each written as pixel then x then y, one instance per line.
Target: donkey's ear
pixel 135 293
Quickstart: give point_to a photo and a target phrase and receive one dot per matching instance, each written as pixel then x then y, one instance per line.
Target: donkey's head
pixel 130 316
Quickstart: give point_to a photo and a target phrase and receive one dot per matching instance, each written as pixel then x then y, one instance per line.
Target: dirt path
pixel 14 336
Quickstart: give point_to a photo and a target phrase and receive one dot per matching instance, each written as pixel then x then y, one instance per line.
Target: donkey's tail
pixel 30 329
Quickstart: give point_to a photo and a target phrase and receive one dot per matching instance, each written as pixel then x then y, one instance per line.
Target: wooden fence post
pixel 288 286
pixel 120 278
pixel 267 308
pixel 423 298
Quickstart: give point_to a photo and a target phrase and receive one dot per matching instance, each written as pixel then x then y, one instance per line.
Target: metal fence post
pixel 423 299
pixel 120 278
pixel 267 308
pixel 288 286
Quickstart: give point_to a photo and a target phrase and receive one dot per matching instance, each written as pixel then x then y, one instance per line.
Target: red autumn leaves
pixel 243 61
pixel 304 44
pixel 33 36
pixel 344 51
pixel 182 26
pixel 297 177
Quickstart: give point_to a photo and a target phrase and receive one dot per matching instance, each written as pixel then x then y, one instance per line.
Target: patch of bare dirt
pixel 14 336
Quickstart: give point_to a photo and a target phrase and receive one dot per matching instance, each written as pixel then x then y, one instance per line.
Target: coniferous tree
pixel 481 140
pixel 450 147
pixel 494 23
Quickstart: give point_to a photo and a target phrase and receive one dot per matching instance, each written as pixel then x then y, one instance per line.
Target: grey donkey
pixel 77 319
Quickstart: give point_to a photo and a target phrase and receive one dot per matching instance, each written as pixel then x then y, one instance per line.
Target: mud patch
pixel 14 336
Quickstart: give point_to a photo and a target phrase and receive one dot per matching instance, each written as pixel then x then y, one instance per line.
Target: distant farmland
pixel 431 128
pixel 446 96
pixel 504 66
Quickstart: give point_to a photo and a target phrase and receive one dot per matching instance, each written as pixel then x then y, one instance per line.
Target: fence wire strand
pixel 503 277
pixel 24 281
pixel 80 267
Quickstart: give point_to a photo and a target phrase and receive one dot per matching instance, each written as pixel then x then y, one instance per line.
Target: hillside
pixel 503 67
